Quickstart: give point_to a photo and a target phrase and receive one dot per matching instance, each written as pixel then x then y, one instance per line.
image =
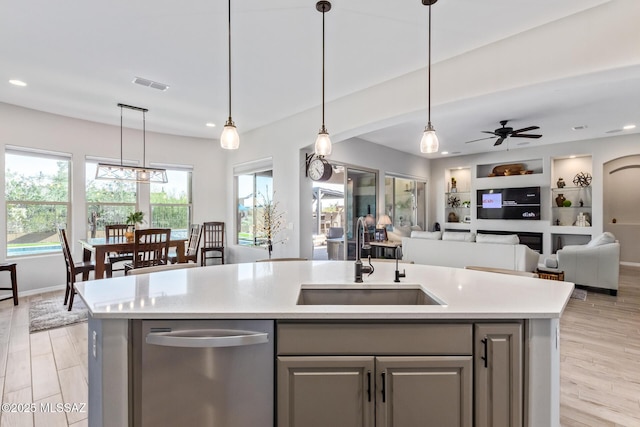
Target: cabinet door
pixel 325 391
pixel 498 375
pixel 424 391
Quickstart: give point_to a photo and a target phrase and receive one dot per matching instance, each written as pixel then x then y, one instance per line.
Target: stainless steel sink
pixel 358 295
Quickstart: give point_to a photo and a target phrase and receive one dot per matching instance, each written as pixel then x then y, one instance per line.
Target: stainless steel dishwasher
pixel 216 373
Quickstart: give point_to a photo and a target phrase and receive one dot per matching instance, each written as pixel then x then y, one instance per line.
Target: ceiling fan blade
pixel 526 136
pixel 526 129
pixel 489 131
pixel 481 139
pixel 499 141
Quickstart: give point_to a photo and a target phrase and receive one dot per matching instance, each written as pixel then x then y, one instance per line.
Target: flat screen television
pixel 509 203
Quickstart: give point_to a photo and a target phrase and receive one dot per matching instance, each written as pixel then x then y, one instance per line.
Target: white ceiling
pixel 80 57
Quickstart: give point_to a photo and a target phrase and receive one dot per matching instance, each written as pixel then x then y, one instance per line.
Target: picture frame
pixel 381 234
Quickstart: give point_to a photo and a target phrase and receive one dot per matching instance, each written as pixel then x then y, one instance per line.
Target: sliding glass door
pixel 360 201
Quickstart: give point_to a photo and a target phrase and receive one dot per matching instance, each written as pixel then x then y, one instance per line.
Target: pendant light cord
pixel 121 160
pixel 144 139
pixel 229 39
pixel 323 11
pixel 429 72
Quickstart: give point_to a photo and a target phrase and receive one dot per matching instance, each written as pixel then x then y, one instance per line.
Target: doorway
pixel 621 198
pixel 351 192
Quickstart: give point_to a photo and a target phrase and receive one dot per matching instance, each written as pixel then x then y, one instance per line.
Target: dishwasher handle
pixel 207 338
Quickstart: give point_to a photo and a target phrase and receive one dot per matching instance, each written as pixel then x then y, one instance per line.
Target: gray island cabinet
pixel 481 349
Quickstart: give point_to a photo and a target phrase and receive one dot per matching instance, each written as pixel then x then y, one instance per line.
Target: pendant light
pixel 142 174
pixel 230 139
pixel 429 142
pixel 323 142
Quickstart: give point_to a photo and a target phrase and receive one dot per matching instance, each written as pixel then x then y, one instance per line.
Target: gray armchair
pixel 595 264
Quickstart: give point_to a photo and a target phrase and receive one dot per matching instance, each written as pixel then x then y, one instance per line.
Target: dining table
pixel 99 247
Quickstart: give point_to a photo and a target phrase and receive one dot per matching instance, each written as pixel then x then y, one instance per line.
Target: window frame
pixel 40 154
pixel 188 205
pixel 256 169
pixel 133 206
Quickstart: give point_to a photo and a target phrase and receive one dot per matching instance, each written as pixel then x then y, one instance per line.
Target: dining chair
pixel 75 268
pixel 150 247
pixel 191 251
pixel 116 231
pixel 213 242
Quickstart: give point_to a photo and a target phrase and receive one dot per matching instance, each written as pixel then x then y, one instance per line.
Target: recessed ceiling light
pixel 17 82
pixel 581 127
pixel 459 168
pixel 524 143
pixel 627 127
pixel 444 153
pixel 614 131
pixel 210 125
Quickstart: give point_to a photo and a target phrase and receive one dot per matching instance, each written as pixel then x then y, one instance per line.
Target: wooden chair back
pixel 75 268
pixel 64 244
pixel 151 247
pixel 115 230
pixel 213 242
pixel 194 242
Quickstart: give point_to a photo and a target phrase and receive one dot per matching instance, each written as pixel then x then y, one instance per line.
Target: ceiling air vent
pixel 150 83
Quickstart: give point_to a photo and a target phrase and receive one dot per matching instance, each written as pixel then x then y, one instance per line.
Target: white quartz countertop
pixel 270 290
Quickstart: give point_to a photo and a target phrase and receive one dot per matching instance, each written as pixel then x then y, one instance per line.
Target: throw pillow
pixel 504 239
pixel 430 235
pixel 459 237
pixel 402 231
pixel 602 239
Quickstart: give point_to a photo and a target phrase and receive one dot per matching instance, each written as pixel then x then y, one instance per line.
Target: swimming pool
pixel 32 250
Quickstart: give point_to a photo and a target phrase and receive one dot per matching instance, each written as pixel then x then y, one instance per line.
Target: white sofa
pixel 595 264
pixel 454 249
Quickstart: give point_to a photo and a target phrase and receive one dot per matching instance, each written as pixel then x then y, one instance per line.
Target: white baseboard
pixel 41 291
pixel 630 264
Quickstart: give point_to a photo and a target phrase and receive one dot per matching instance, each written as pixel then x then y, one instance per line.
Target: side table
pixel 551 274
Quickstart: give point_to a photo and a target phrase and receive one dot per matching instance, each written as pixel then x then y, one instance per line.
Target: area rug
pixel 580 294
pixel 51 313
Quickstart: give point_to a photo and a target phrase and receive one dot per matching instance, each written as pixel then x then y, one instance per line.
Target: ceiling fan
pixel 507 131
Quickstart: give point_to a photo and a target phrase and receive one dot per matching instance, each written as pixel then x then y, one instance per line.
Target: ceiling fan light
pixel 429 142
pixel 230 140
pixel 323 143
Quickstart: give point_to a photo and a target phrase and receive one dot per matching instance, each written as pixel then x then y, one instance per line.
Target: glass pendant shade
pixel 230 140
pixel 323 143
pixel 429 142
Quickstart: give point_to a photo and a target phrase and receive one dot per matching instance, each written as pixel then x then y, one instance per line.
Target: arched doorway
pixel 621 197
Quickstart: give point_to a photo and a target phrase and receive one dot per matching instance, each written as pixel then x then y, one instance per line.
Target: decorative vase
pixel 561 183
pixel 130 234
pixel 560 200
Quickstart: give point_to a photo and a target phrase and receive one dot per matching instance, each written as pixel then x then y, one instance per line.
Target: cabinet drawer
pixel 374 338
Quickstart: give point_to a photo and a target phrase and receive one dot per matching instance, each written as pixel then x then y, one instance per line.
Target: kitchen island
pixel 464 323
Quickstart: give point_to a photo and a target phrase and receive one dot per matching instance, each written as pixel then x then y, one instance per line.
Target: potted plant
pixel 132 219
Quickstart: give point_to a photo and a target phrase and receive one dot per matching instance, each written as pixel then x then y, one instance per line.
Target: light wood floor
pixel 600 362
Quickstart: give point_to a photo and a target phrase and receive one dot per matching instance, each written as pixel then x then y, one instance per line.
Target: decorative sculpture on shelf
pixel 582 179
pixel 561 183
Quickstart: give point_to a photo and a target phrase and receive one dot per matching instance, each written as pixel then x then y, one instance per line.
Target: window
pixel 37 200
pixel 108 201
pixel 171 202
pixel 405 201
pixel 251 188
